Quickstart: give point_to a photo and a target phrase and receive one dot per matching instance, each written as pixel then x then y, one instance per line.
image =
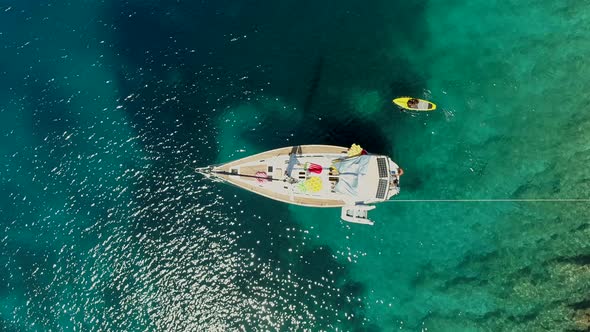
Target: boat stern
pixel 395 172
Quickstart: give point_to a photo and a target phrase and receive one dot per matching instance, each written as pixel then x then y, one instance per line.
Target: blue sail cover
pixel 350 170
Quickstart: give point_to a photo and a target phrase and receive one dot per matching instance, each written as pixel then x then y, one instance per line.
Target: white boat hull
pixel 315 176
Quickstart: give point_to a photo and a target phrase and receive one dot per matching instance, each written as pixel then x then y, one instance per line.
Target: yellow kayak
pixel 414 104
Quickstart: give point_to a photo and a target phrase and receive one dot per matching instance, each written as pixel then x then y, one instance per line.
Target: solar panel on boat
pixel 382 188
pixel 382 166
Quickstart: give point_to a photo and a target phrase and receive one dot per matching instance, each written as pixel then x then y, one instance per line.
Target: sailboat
pixel 316 176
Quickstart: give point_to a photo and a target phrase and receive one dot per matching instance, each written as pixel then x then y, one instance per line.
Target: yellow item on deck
pixel 355 150
pixel 312 184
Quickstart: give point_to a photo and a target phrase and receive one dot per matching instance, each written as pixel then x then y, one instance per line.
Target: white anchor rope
pixel 493 200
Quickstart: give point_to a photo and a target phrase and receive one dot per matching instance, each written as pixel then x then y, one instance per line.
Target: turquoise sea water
pixel 107 106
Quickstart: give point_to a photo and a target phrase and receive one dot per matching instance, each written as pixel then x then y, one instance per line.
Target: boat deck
pixel 273 173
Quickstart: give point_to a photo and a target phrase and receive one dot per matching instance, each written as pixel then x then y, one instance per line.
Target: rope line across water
pixel 493 200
